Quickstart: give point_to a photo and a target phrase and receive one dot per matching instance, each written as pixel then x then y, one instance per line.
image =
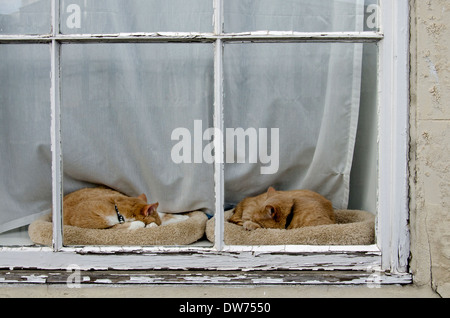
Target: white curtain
pixel 25 157
pixel 311 93
pixel 122 102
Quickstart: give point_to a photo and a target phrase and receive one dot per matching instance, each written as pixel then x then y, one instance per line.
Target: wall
pixel 430 142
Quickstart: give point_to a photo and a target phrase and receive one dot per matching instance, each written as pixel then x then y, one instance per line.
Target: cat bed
pixel 183 233
pixel 351 228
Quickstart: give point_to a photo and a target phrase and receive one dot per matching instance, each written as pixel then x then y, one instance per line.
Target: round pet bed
pixel 351 228
pixel 183 233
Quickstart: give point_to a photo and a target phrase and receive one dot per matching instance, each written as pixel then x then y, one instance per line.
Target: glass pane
pixel 25 16
pixel 301 15
pixel 364 175
pixel 25 152
pixel 291 118
pixel 115 16
pixel 132 117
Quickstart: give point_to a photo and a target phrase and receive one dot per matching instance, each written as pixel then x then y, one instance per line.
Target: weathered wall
pixel 430 141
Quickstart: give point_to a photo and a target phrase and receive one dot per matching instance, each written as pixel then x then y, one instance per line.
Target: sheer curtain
pixel 121 104
pixel 310 92
pixel 25 157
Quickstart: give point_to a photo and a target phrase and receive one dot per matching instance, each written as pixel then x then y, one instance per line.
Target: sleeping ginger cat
pixel 101 208
pixel 283 210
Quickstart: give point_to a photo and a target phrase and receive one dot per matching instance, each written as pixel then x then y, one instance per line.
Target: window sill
pixel 281 265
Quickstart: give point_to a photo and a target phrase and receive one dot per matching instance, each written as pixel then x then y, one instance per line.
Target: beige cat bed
pixel 352 228
pixel 183 233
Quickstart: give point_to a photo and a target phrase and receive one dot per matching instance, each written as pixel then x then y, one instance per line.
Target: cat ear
pixel 271 191
pixel 149 209
pixel 271 212
pixel 143 197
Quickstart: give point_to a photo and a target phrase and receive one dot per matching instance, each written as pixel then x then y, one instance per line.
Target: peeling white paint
pixel 211 278
pixel 35 279
pixel 261 36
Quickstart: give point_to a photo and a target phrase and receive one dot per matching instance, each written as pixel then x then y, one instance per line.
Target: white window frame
pixel 388 258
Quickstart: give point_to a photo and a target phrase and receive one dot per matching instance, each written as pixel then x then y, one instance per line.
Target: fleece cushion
pixel 182 233
pixel 351 228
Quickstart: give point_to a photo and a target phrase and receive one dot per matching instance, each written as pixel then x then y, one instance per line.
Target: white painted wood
pixel 257 36
pixel 301 249
pixel 370 278
pixel 292 36
pixel 196 249
pixel 393 212
pixel 219 179
pixel 181 259
pixel 55 97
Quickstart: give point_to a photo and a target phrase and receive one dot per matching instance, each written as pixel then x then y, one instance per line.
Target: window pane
pixel 291 114
pixel 300 15
pixel 115 16
pixel 25 16
pixel 126 108
pixel 25 153
pixel 364 175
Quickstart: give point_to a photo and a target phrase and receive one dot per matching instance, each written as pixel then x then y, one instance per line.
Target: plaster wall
pixel 430 142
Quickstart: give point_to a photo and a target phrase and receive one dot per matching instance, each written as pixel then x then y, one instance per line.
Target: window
pixel 110 60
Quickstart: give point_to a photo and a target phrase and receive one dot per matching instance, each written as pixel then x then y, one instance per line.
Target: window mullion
pixel 55 98
pixel 219 179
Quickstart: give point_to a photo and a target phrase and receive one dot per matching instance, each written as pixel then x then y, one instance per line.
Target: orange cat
pixel 101 208
pixel 283 210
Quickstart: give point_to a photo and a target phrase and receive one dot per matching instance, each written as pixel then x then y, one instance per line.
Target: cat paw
pixel 251 226
pixel 136 225
pixel 173 218
pixel 153 224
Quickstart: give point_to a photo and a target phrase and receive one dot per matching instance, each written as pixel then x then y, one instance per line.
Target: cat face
pixel 137 209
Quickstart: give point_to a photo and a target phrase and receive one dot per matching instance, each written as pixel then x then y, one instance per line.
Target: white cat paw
pixel 136 225
pixel 153 224
pixel 167 218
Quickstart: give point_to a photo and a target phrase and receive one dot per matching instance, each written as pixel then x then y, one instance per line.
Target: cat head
pixel 274 211
pixel 138 209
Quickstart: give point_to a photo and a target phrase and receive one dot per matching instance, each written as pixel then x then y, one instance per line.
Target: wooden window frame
pixel 387 260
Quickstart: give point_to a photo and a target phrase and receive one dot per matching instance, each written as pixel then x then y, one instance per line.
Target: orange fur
pixel 95 209
pixel 283 210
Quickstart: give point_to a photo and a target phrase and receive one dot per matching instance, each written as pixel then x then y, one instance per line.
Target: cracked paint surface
pixel 430 140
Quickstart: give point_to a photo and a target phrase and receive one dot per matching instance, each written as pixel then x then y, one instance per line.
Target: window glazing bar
pixel 219 179
pixel 258 36
pixel 57 188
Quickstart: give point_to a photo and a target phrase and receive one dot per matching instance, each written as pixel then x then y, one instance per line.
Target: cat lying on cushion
pixel 283 210
pixel 101 208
